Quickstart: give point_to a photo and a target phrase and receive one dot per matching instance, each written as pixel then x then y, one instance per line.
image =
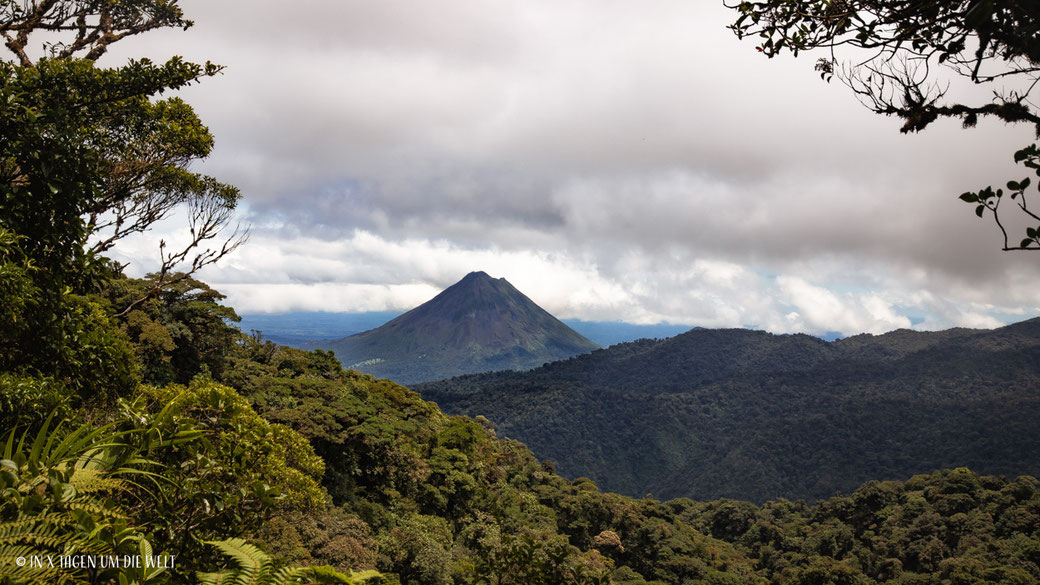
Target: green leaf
pixel 969 197
pixel 979 210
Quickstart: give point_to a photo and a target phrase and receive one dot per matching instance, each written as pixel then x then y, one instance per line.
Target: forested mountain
pixel 751 415
pixel 478 324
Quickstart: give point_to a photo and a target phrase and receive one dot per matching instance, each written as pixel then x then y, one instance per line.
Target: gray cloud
pixel 636 150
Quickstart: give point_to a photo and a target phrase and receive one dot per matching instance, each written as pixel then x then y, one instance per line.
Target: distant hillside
pixel 478 324
pixel 746 414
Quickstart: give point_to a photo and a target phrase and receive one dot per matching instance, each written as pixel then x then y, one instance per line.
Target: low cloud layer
pixel 616 160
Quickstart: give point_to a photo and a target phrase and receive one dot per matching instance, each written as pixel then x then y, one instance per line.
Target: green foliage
pixel 205 466
pixel 60 117
pixel 237 470
pixel 539 560
pixel 16 287
pixel 110 491
pixel 418 548
pixel 88 156
pixel 331 536
pixel 84 149
pixel 66 339
pixel 446 500
pixel 82 352
pixel 94 359
pixel 950 526
pixel 60 497
pixel 178 332
pixel 27 400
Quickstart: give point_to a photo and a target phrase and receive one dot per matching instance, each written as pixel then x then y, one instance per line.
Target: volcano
pixel 478 324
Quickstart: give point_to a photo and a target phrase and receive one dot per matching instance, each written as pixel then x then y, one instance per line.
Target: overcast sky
pixel 615 160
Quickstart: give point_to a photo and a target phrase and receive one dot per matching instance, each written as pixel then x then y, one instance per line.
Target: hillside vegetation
pixel 750 415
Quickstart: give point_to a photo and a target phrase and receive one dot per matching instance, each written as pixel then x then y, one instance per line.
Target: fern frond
pixel 42 437
pixel 290 576
pixel 255 569
pixel 49 531
pixel 214 578
pixel 90 481
pixel 253 563
pixel 28 523
pixel 362 577
pixel 96 509
pixel 50 541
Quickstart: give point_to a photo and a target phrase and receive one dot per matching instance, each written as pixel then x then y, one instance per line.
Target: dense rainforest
pixel 145 439
pixel 321 466
pixel 224 436
pixel 756 416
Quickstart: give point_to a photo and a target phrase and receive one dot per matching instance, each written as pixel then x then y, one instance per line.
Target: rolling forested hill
pixel 751 415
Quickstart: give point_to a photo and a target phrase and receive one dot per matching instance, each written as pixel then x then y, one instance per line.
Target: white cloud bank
pixel 619 160
pixel 368 273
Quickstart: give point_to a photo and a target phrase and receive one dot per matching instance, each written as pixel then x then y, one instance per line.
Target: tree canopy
pixel 89 155
pixel 911 59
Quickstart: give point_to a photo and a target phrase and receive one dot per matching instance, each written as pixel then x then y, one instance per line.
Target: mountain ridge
pixel 752 415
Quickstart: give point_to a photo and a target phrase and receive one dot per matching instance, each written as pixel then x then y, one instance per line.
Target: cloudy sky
pixel 615 160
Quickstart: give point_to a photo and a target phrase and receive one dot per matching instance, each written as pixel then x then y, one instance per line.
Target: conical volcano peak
pixel 478 278
pixel 478 324
pixel 475 279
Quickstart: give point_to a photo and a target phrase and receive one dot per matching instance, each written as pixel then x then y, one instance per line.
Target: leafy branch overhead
pixel 912 59
pixel 989 200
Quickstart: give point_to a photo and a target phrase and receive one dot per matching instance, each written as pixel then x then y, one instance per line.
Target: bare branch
pixel 206 225
pixel 93 26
